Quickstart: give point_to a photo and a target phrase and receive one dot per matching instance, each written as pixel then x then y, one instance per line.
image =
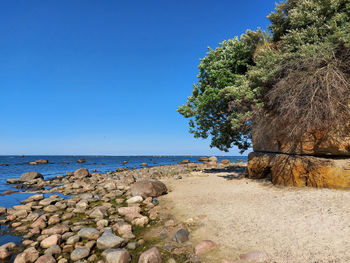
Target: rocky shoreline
pixel 111 217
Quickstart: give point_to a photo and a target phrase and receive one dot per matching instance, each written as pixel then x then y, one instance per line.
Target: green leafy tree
pixel 299 76
pixel 221 102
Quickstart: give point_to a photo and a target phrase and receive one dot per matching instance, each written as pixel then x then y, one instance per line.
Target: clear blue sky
pixel 106 77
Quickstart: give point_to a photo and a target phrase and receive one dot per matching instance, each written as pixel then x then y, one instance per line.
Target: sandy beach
pixel 242 215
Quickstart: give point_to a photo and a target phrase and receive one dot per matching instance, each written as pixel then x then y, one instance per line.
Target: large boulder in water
pixel 29 176
pixel 148 188
pixel 42 161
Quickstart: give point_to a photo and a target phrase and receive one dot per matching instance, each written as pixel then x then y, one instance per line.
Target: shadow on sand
pixel 229 172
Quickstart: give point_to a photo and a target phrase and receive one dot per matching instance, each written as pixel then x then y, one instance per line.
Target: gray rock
pixel 109 240
pixel 50 241
pixel 86 196
pixel 181 235
pixel 28 255
pixel 99 212
pixel 28 176
pixel 4 254
pixel 59 229
pixel 13 181
pixel 79 253
pixel 148 188
pixel 72 240
pixel 42 161
pixel 151 256
pixel 48 201
pixel 132 245
pixel 82 172
pixel 213 159
pixel 46 259
pixel 2 210
pixel 53 250
pixel 116 256
pixel 89 233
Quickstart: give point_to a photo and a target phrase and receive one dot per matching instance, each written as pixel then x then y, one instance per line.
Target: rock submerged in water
pixel 184 161
pixel 148 188
pixel 81 160
pixel 41 161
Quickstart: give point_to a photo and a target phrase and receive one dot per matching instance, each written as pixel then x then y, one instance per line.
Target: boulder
pixel 42 161
pixel 4 254
pixel 135 199
pixel 203 159
pixel 79 253
pixel 116 256
pixel 53 250
pixel 29 176
pixel 213 159
pixel 13 181
pixel 89 233
pixel 181 236
pixel 185 161
pixel 28 255
pixel 148 188
pixel 59 229
pixel 81 160
pixel 151 256
pixel 313 142
pixel 225 162
pixel 50 241
pixel 109 240
pixel 300 170
pixel 98 212
pixel 82 172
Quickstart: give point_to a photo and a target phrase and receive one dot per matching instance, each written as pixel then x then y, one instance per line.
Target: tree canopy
pixel 296 73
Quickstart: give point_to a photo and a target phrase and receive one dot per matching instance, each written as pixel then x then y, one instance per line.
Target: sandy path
pixel 291 225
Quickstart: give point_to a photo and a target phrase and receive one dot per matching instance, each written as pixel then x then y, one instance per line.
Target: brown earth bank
pixel 243 215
